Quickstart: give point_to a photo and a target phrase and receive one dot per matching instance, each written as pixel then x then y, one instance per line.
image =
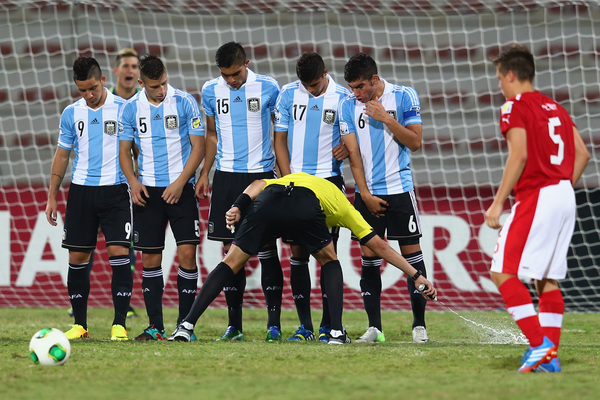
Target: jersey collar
pixel 144 99
pixel 330 87
pixel 250 78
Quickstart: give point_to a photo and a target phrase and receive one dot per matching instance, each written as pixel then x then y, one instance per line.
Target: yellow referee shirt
pixel 336 207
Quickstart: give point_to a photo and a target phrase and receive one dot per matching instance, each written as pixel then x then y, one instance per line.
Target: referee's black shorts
pixel 401 219
pixel 227 186
pixel 278 211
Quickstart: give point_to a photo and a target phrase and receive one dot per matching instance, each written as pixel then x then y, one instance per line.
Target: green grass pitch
pixel 462 361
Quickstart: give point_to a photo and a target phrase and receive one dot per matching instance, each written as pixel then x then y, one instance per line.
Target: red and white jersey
pixel 550 142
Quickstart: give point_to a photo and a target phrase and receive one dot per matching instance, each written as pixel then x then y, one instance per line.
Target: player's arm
pixel 135 153
pixel 209 158
pixel 582 156
pixel 234 215
pixel 57 173
pixel 172 193
pixel 340 152
pixel 282 152
pixel 375 205
pixel 515 163
pixel 138 191
pixel 410 136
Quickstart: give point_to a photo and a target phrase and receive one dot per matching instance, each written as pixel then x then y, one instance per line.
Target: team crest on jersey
pixel 392 113
pixel 254 104
pixel 171 122
pixel 195 123
pixel 329 116
pixel 110 127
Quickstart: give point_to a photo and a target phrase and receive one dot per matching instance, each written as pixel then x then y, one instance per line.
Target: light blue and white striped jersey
pixel 385 161
pixel 93 136
pixel 312 126
pixel 161 133
pixel 243 122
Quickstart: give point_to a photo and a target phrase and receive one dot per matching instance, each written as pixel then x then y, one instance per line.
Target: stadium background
pixel 440 47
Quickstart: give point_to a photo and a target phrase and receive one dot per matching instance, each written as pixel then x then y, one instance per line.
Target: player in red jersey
pixel 546 156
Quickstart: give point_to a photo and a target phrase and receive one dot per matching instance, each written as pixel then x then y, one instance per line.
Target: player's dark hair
pixel 127 52
pixel 85 68
pixel 151 67
pixel 230 54
pixel 309 67
pixel 360 66
pixel 518 59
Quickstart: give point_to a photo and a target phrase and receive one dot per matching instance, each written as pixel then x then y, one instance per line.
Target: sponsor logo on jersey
pixel 506 107
pixel 254 104
pixel 549 107
pixel 329 116
pixel 237 100
pixel 195 122
pixel 315 108
pixel 94 121
pixel 392 113
pixel 110 127
pixel 171 122
pixel 344 128
pixel 157 117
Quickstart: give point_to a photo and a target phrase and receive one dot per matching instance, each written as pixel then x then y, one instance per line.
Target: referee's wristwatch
pixel 416 276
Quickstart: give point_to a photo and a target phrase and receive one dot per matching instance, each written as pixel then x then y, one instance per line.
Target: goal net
pixel 439 47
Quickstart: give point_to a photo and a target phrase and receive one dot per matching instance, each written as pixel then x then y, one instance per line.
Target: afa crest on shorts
pixel 254 104
pixel 171 122
pixel 329 116
pixel 110 127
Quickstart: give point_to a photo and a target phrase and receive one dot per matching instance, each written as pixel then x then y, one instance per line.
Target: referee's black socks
pixel 210 290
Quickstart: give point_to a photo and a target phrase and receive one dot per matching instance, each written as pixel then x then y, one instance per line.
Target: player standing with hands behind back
pixel 380 125
pixel 546 157
pixel 166 125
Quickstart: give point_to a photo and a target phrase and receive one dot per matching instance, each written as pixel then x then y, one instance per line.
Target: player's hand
pixel 232 217
pixel 374 109
pixel 340 152
pixel 429 292
pixel 375 205
pixel 139 194
pixel 51 212
pixel 492 216
pixel 172 193
pixel 202 187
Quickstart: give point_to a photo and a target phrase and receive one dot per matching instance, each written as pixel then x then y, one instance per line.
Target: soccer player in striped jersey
pixel 127 71
pixel 166 125
pixel 239 107
pixel 381 124
pixel 307 139
pixel 318 205
pixel 98 195
pixel 546 157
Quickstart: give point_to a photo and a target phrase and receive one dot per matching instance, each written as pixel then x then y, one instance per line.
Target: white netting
pixel 440 47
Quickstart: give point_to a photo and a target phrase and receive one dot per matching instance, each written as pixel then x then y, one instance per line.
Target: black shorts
pixel 226 188
pixel 401 219
pixel 93 207
pixel 151 220
pixel 335 230
pixel 278 211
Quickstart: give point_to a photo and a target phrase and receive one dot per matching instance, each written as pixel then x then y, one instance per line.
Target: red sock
pixel 552 308
pixel 520 306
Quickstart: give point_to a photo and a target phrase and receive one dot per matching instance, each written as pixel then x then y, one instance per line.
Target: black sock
pixel 78 286
pixel 325 318
pixel 300 283
pixel 121 287
pixel 370 288
pixel 234 295
pixel 272 284
pixel 211 288
pixel 187 286
pixel 153 287
pixel 334 288
pixel 417 301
